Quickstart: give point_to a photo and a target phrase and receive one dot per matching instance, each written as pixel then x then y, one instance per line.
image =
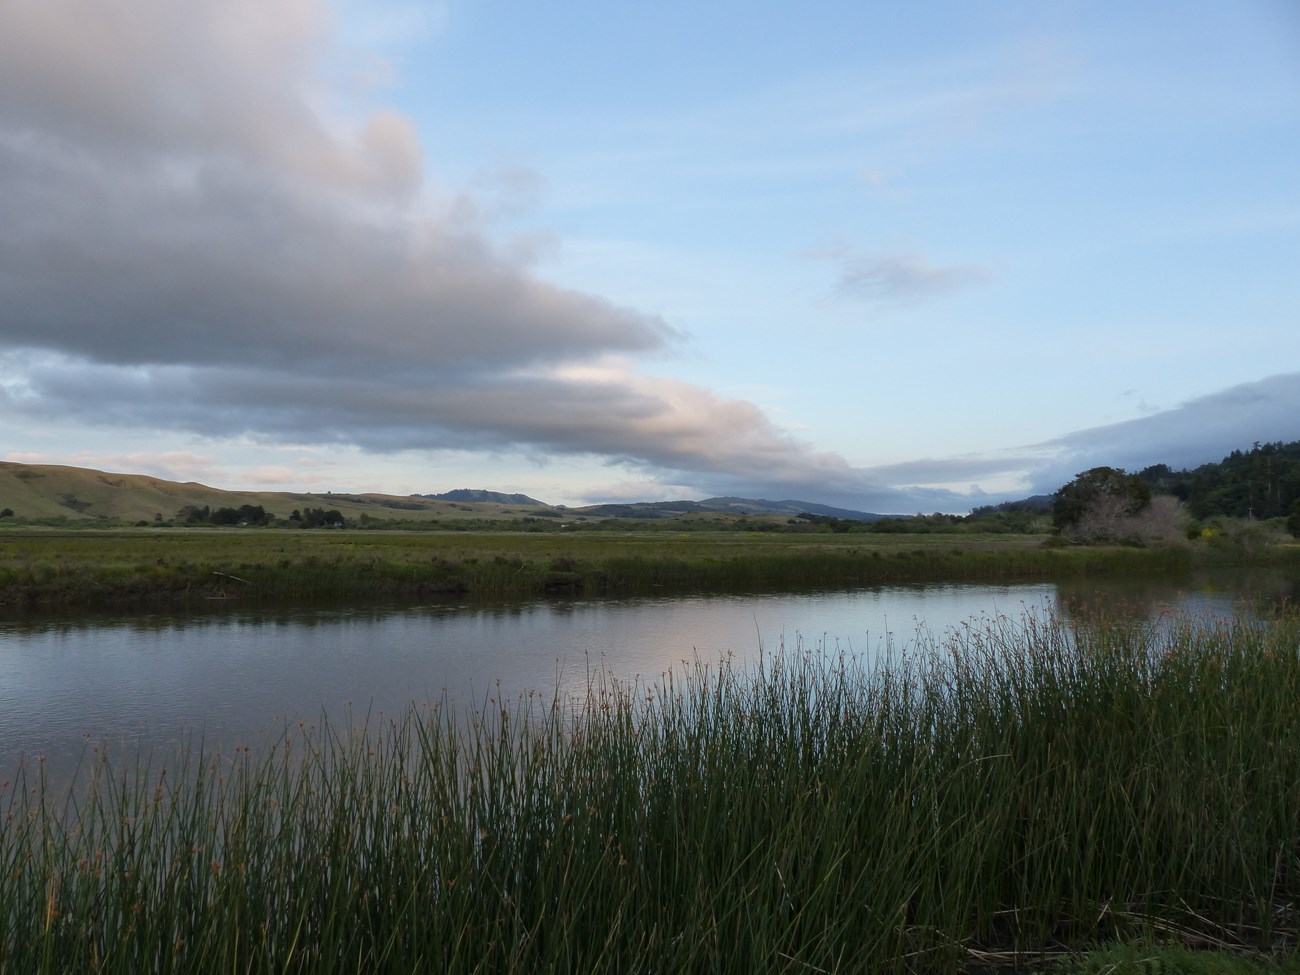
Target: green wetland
pixel 1000 789
pixel 149 568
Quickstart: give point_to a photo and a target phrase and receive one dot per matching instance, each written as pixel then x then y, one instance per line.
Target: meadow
pixel 142 567
pixel 1004 798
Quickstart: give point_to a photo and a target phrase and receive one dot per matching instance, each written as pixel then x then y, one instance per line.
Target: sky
pixel 890 257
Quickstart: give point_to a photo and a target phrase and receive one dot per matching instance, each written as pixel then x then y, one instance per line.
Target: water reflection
pixel 1207 593
pixel 238 676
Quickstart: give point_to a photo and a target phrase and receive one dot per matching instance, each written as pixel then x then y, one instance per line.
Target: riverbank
pixel 1015 794
pixel 133 567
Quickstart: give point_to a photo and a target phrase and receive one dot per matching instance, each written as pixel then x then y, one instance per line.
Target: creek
pixel 141 684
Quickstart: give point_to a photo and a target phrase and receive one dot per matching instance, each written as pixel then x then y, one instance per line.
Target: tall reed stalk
pixel 1017 788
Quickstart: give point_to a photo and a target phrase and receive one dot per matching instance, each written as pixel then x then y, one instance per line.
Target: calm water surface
pixel 238 677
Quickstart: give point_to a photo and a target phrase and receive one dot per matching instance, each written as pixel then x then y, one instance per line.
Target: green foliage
pixel 1263 482
pixel 1017 521
pixel 245 514
pixel 1093 488
pixel 1038 504
pixel 1021 521
pixel 73 502
pixel 317 518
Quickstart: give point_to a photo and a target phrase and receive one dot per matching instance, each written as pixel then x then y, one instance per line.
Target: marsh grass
pixel 1015 791
pixel 1145 958
pixel 91 568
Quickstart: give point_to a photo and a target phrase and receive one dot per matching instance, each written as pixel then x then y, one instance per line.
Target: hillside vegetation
pixel 1263 482
pixel 51 493
pixel 63 496
pixel 1259 484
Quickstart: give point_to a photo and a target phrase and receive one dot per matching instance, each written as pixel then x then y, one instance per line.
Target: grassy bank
pixel 1018 793
pixel 142 567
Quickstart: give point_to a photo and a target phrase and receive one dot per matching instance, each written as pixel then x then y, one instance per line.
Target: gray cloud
pixel 611 412
pixel 905 277
pixel 1199 431
pixel 166 260
pixel 902 277
pixel 1202 430
pixel 192 239
pixel 958 470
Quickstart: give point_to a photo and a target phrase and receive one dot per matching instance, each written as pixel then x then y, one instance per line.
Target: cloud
pixel 608 410
pixel 195 237
pixel 1199 431
pixel 978 468
pixel 387 24
pixel 171 465
pixel 283 478
pixel 631 492
pixel 905 277
pixel 897 278
pixel 200 233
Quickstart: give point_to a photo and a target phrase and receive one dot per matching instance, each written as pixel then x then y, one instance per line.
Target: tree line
pixel 1263 482
pixel 255 514
pixel 1155 504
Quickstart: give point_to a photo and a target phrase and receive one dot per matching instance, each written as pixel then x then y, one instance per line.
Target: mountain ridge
pixel 480 496
pixel 724 505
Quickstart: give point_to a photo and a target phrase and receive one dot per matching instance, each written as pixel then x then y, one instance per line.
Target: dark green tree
pixel 253 514
pixel 320 518
pixel 1102 487
pixel 1263 482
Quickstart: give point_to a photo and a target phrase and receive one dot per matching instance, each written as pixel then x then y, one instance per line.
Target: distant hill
pixel 734 506
pixel 483 497
pixel 53 493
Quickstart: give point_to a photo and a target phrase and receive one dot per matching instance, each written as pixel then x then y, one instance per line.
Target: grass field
pixel 86 567
pixel 1009 797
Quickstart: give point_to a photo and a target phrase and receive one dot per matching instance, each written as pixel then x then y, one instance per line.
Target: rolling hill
pixel 727 506
pixel 47 493
pixel 42 493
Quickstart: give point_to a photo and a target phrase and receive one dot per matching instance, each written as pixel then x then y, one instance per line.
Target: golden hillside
pixel 41 492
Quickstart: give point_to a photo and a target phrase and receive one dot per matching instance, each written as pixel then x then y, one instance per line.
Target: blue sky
pixel 892 257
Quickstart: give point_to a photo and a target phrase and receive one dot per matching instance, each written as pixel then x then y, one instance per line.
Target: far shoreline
pixel 134 568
